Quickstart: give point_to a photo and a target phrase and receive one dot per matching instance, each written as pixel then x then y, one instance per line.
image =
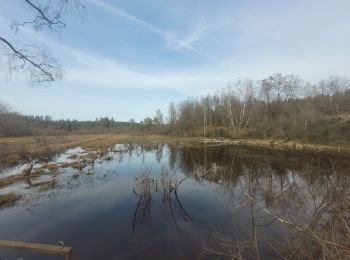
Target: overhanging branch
pixel 24 57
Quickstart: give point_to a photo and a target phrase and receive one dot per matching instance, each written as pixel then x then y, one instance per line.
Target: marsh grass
pixel 73 156
pixel 21 149
pixel 51 169
pixel 45 185
pixel 9 200
pixel 51 166
pixel 24 149
pixel 39 172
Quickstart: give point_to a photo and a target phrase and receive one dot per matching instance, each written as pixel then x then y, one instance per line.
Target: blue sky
pixel 126 59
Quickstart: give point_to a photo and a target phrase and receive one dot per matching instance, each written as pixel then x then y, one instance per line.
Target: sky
pixel 126 59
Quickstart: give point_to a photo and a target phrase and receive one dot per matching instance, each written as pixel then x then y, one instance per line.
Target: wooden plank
pixel 41 248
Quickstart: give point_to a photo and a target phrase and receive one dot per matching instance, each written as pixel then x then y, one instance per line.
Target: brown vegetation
pixel 9 199
pixel 288 145
pixel 45 185
pixel 24 149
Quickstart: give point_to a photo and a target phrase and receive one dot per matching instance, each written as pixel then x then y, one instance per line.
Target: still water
pixel 178 202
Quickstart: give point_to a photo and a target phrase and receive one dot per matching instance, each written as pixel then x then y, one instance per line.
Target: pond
pixel 166 201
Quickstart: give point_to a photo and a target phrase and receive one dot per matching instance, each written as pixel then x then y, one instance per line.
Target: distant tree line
pixel 279 106
pixel 15 124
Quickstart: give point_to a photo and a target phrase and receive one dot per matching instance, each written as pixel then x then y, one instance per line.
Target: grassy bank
pixel 15 150
pixel 22 149
pixel 286 145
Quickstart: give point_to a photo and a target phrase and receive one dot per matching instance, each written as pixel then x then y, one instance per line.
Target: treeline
pixel 279 106
pixel 14 124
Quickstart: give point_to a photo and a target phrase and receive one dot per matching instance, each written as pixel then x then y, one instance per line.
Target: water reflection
pixel 163 193
pixel 207 201
pixel 308 204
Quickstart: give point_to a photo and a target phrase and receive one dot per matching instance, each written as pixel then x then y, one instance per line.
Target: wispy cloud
pixel 94 70
pixel 188 42
pixel 110 74
pixel 172 40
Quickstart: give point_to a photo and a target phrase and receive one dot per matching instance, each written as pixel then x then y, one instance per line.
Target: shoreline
pixel 283 145
pixel 16 150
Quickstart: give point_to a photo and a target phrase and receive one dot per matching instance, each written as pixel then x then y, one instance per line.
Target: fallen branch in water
pixel 300 229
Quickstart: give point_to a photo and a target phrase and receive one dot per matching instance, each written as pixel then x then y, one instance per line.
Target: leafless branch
pixel 40 66
pixel 50 15
pixel 37 63
pixel 298 228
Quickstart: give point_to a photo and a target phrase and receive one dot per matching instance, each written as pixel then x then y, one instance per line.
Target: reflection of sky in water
pixel 61 158
pixel 94 212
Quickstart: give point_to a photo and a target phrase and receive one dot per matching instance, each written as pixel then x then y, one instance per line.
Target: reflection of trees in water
pixel 139 149
pixel 189 157
pixel 144 189
pixel 311 207
pixel 159 152
pixel 214 163
pixel 166 187
pixel 174 156
pixel 297 205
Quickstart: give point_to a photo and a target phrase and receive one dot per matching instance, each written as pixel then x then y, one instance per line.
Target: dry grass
pixel 9 199
pixel 73 156
pixel 45 185
pixel 345 116
pixel 289 145
pixel 22 176
pixel 19 149
pixel 52 167
pixel 11 179
pixel 16 150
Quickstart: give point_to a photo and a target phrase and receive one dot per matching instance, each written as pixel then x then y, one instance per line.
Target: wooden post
pixel 40 248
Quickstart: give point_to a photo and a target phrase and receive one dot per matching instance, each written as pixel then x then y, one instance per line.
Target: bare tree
pixel 36 62
pixel 291 86
pixel 227 101
pixel 132 125
pixel 158 118
pixel 246 91
pixel 335 86
pixel 4 108
pixel 239 107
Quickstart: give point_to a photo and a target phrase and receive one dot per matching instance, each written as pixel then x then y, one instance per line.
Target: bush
pixel 335 131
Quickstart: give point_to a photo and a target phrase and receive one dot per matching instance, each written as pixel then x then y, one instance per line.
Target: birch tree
pixel 238 104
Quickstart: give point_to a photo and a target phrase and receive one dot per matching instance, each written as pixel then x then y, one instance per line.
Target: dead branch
pixel 298 228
